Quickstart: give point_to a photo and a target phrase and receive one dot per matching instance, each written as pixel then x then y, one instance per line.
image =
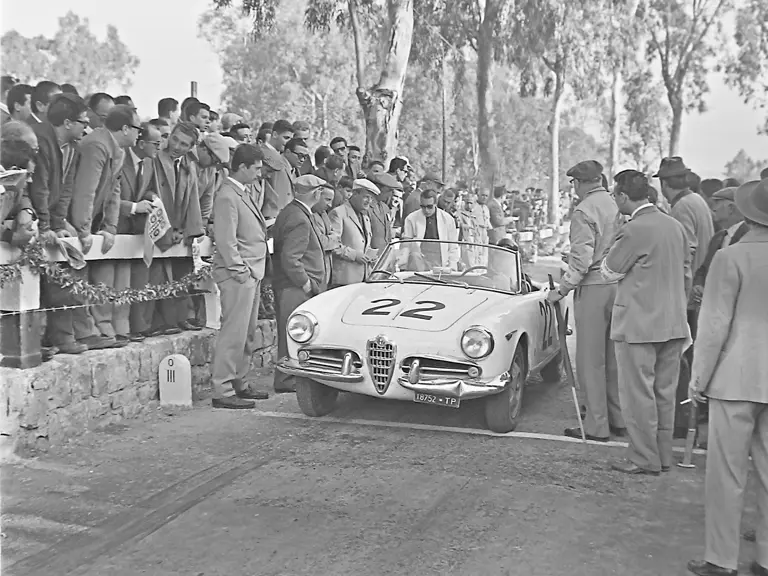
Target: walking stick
pixel 561 331
pixel 690 439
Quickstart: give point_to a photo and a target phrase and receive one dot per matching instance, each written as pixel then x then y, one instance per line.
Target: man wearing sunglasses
pixel 297 153
pixel 94 212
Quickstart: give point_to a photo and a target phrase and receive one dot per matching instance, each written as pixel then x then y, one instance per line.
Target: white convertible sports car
pixel 435 323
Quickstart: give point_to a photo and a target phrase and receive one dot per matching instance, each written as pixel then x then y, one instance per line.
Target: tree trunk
pixel 382 104
pixel 677 126
pixel 553 198
pixel 485 132
pixel 615 123
pixel 444 98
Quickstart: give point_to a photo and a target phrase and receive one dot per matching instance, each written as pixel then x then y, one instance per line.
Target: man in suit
pixel 177 180
pixel 95 210
pixel 352 226
pixel 41 100
pixel 380 212
pixel 138 190
pixel 51 194
pixel 297 153
pixel 238 269
pixel 431 223
pixel 19 102
pixel 594 225
pixel 729 369
pixel 299 262
pixel 278 176
pixel 650 260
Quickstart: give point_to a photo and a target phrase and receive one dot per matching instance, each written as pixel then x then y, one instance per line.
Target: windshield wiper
pixel 446 282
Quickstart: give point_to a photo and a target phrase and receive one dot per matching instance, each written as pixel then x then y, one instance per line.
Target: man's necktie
pixel 139 174
pixel 176 167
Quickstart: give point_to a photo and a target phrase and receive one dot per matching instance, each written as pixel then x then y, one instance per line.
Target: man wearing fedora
pixel 594 225
pixel 299 261
pixel 729 370
pixel 650 260
pixel 692 211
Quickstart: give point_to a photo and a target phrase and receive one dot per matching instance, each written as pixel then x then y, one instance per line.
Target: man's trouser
pixel 596 359
pixel 286 301
pixel 681 411
pixel 236 340
pixel 142 313
pixel 60 329
pixel 736 431
pixel 173 311
pixel 648 375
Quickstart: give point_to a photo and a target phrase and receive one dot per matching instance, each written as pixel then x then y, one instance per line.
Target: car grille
pixel 381 362
pixel 329 358
pixel 433 368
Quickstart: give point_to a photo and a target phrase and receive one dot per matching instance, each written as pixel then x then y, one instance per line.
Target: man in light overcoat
pixel 730 368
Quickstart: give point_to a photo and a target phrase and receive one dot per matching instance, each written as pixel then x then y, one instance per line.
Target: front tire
pixel 315 399
pixel 502 411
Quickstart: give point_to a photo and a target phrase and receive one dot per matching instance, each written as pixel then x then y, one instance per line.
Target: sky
pixel 150 27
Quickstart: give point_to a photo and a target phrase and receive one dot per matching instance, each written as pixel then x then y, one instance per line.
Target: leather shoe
pixel 630 468
pixel 665 468
pixel 758 570
pixel 72 348
pixel 184 325
pixel 250 394
pixel 576 433
pixel 233 403
pixel 703 568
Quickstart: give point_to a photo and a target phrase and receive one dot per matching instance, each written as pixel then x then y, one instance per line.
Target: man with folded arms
pixel 239 262
pixel 299 262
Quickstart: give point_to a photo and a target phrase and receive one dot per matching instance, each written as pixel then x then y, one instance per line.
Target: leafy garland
pixel 34 257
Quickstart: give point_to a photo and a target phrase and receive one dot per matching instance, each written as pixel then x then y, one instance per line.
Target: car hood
pixel 418 307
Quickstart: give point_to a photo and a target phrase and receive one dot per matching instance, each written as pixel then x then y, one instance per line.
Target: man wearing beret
pixel 728 372
pixel 299 262
pixel 650 260
pixel 594 225
pixel 692 212
pixel 380 211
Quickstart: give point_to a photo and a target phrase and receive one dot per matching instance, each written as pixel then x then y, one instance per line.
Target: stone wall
pixel 71 394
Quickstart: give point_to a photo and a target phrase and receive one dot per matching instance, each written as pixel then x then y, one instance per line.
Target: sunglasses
pixel 340 149
pixel 301 157
pixel 427 206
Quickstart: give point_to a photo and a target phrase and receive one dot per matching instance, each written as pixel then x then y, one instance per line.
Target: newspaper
pixel 156 227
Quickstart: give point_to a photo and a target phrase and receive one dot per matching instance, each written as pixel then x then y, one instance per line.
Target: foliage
pixel 747 70
pixel 743 168
pixel 282 74
pixel 646 130
pixel 73 55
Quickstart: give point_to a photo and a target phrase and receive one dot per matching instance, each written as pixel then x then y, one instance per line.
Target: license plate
pixel 438 400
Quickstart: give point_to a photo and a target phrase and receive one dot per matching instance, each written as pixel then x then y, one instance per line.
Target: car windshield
pixel 461 264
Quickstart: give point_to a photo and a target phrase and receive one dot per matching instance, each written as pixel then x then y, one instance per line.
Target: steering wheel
pixel 473 268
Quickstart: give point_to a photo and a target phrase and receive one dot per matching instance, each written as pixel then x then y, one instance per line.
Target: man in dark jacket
pixel 299 262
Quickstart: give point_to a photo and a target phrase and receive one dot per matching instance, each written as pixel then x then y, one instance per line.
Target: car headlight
pixel 476 342
pixel 301 327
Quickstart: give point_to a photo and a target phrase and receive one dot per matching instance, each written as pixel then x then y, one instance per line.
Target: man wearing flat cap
pixel 299 262
pixel 729 370
pixel 594 226
pixel 380 211
pixel 692 211
pixel 352 226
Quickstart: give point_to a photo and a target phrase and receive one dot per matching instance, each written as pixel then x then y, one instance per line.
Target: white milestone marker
pixel 175 374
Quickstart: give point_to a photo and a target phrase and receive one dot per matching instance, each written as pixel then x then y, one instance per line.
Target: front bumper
pixel 290 366
pixel 466 390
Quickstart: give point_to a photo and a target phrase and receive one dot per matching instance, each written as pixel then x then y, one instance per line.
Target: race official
pixel 239 262
pixel 650 260
pixel 594 225
pixel 299 262
pixel 729 368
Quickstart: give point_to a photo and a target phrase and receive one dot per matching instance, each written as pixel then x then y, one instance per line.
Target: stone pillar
pixel 20 337
pixel 21 323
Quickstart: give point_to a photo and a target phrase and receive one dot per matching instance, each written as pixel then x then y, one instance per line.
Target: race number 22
pixel 547 312
pixel 382 305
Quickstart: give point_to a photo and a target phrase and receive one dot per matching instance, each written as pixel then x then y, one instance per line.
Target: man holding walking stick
pixel 594 225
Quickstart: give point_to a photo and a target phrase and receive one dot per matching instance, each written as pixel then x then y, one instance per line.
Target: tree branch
pixel 358 39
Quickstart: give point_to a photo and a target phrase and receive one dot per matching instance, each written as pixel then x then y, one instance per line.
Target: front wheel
pixel 315 399
pixel 552 373
pixel 502 411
